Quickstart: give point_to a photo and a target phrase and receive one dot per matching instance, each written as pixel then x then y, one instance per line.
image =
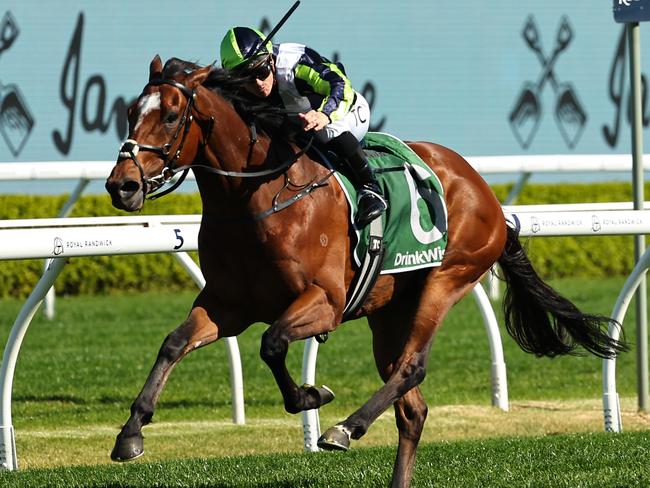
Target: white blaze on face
pixel 147 104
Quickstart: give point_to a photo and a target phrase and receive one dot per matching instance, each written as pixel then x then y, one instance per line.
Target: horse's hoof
pixel 323 394
pixel 335 438
pixel 128 448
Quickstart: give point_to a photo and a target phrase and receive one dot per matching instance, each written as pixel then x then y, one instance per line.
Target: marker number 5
pixel 179 238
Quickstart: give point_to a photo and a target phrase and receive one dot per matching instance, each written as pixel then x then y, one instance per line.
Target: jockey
pixel 321 94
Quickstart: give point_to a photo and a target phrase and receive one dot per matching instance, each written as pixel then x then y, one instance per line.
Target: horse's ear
pixel 155 68
pixel 197 77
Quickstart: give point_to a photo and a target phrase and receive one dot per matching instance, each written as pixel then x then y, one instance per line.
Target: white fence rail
pixel 59 239
pixel 555 163
pixel 93 236
pixel 530 163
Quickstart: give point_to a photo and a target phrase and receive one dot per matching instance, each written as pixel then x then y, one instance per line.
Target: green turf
pixel 98 350
pixel 573 461
pixel 78 374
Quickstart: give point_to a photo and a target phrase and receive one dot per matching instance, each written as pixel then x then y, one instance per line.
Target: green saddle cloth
pixel 415 224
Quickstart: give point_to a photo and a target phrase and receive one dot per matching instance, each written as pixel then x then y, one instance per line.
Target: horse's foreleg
pixel 310 314
pixel 198 330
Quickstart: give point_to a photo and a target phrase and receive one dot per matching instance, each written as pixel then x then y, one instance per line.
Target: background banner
pixel 488 78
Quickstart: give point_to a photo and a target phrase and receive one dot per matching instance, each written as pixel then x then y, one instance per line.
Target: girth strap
pixel 367 276
pixel 365 279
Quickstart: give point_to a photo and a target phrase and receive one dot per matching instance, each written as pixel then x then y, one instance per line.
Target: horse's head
pixel 163 135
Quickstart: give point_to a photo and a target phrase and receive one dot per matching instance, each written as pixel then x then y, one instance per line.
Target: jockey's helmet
pixel 239 44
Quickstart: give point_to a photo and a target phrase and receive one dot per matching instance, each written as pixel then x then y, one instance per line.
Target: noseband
pixel 130 148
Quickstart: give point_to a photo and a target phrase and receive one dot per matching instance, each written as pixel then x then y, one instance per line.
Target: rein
pixel 277 206
pixel 252 174
pixel 130 149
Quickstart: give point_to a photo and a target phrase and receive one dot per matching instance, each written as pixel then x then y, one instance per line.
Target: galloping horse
pixel 292 268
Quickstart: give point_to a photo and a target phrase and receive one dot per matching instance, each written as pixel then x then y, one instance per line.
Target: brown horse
pixel 292 268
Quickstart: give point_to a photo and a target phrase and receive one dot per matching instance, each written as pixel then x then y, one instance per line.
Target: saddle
pixel 412 233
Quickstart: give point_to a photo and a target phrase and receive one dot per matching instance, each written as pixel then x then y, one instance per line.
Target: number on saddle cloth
pixel 415 226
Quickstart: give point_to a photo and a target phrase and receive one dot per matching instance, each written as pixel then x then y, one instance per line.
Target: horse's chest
pixel 253 267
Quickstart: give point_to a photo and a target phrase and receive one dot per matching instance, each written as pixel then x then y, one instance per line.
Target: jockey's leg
pixel 370 200
pixel 343 136
pixel 310 314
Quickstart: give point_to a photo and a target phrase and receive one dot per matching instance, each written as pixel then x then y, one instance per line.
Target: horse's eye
pixel 171 117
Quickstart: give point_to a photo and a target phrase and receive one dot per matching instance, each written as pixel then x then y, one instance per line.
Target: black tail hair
pixel 543 322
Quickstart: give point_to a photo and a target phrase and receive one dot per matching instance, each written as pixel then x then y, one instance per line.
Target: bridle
pixel 130 149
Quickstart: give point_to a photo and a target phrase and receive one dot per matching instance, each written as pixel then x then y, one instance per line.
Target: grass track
pixel 579 460
pixel 78 374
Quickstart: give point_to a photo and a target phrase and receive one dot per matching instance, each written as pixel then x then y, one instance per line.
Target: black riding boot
pixel 370 199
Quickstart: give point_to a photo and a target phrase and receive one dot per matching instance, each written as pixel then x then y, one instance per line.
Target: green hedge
pixel 553 257
pixel 102 274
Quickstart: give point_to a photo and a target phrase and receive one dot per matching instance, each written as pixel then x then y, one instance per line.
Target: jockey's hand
pixel 314 120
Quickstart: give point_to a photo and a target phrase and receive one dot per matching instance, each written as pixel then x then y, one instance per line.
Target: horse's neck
pixel 231 138
pixel 231 147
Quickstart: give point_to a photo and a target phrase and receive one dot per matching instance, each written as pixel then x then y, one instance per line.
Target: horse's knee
pixel 413 373
pixel 419 373
pixel 273 345
pixel 173 346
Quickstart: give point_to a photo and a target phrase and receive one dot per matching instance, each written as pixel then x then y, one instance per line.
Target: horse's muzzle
pixel 125 194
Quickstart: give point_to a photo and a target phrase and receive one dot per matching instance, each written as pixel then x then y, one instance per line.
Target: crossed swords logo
pixel 16 122
pixel 526 115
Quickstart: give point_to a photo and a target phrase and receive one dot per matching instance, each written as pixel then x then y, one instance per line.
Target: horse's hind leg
pixel 410 415
pixel 407 355
pixel 198 330
pixel 411 409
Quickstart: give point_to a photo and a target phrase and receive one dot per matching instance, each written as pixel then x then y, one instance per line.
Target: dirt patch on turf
pixel 525 418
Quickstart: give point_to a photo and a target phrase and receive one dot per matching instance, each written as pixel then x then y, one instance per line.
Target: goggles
pixel 261 70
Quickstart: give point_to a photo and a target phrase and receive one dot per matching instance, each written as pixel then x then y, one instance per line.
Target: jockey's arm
pixel 328 80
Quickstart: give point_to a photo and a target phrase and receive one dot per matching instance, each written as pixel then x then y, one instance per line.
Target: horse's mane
pixel 229 84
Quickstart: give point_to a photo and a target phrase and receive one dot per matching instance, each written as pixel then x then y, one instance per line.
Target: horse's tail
pixel 540 320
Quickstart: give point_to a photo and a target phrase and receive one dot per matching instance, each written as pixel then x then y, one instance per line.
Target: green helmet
pixel 239 44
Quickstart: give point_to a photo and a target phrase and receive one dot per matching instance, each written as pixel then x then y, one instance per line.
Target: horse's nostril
pixel 122 189
pixel 130 186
